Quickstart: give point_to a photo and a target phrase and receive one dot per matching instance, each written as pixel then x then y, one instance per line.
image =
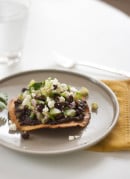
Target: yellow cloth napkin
pixel 119 137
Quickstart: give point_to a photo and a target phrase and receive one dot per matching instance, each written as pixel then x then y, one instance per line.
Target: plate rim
pixel 80 147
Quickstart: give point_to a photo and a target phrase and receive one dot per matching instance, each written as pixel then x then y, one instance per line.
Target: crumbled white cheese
pixel 10 122
pixel 12 127
pixel 71 137
pixel 25 94
pixel 48 99
pixel 76 136
pixel 51 103
pixel 45 117
pixel 66 93
pixel 45 109
pixel 44 120
pixel 33 95
pixel 55 81
pixel 34 102
pixel 64 86
pixel 73 104
pixel 73 89
pixel 26 100
pixel 61 99
pixel 38 114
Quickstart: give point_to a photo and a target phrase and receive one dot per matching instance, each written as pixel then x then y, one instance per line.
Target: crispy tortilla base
pixel 12 116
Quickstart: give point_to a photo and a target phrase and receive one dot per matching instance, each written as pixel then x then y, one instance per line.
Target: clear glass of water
pixel 13 25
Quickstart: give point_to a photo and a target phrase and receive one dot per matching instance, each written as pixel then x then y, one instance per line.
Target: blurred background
pixel 96 31
pixel 123 5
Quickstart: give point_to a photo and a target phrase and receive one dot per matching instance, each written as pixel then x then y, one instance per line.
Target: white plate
pixel 46 141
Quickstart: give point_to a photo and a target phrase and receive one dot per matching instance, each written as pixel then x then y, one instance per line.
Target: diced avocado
pixel 35 85
pixel 40 102
pixel 39 115
pixel 52 117
pixel 68 87
pixel 44 91
pixel 32 115
pixel 78 96
pixel 20 97
pixel 94 106
pixel 70 112
pixel 53 93
pixel 65 94
pixel 31 83
pixel 49 78
pixel 84 91
pixel 48 83
pixel 44 120
pixel 54 111
pixel 20 107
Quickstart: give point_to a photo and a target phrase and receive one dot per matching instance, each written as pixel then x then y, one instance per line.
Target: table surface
pixel 86 30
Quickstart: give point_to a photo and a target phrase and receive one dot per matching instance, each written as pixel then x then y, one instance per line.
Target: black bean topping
pixel 59 116
pixel 24 89
pixel 53 122
pixel 24 114
pixel 81 116
pixel 18 102
pixel 72 105
pixel 18 114
pixel 59 105
pixel 80 109
pixel 54 87
pixel 25 135
pixel 62 120
pixel 56 98
pixel 40 107
pixel 41 97
pixel 66 104
pixel 28 121
pixel 78 112
pixel 25 107
pixel 83 104
pixel 27 112
pixel 70 99
pixel 18 109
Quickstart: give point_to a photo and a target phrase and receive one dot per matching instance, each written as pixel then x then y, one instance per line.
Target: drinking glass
pixel 13 25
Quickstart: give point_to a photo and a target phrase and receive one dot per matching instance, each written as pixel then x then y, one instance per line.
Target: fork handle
pixel 104 68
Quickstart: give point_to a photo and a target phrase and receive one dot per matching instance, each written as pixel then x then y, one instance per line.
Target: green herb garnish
pixel 3 98
pixel 3 101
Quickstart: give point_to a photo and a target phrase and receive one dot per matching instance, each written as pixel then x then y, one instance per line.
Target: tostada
pixel 49 104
